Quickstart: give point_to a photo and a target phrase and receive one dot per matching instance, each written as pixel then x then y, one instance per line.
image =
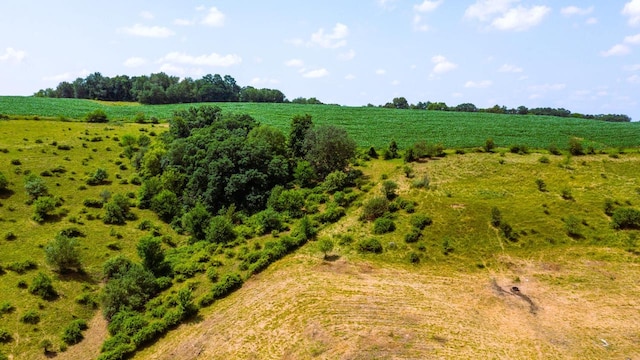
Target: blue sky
pixel 580 55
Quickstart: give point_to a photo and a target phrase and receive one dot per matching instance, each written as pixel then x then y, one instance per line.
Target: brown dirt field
pixel 89 347
pixel 306 308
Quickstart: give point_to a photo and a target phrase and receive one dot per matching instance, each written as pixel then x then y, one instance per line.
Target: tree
pixel 63 254
pixel 166 205
pixel 129 287
pixel 329 148
pixel 117 210
pixel 325 245
pixel 97 116
pixel 152 255
pixel 400 103
pixel 220 230
pixel 300 126
pixel 196 220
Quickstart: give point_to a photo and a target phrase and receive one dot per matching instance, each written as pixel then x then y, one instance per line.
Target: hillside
pixel 488 222
pixel 369 126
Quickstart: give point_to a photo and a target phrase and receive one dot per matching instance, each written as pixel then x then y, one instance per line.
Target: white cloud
pixel 182 22
pixel 381 71
pixel 294 63
pixel 503 16
pixel 335 39
pixel 387 4
pixel 214 18
pixel 418 25
pixel 67 76
pixel 634 67
pixel 317 73
pixel 442 65
pixel 427 6
pixel 212 59
pixel 148 31
pixel 146 15
pixel 134 62
pixel 632 10
pixel 172 69
pixel 350 77
pixel 616 50
pixel 478 85
pixel 263 81
pixel 591 21
pixel 548 87
pixel 510 68
pixel 521 18
pixel 349 55
pixel 12 55
pixel 634 79
pixel 632 39
pixel 574 10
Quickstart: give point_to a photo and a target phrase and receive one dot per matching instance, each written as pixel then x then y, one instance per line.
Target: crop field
pixel 369 126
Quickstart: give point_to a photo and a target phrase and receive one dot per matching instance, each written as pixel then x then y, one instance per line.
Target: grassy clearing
pixel 369 126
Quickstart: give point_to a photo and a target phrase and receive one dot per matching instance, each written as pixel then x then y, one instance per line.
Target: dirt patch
pixel 89 347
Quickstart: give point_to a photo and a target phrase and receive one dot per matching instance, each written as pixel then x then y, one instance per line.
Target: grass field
pixel 369 126
pixel 577 276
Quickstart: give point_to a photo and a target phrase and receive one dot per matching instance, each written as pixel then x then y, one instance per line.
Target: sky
pixel 583 56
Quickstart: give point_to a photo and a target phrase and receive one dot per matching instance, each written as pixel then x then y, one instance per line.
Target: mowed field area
pixel 369 126
pixel 562 283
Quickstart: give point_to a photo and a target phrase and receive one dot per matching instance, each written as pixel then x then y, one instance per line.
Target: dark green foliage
pixel 422 149
pixel 150 187
pixel 375 208
pixel 392 151
pixel 117 210
pixel 389 188
pixel 129 286
pixel 625 218
pixel 305 229
pixel 127 323
pixel 420 221
pixel 62 253
pixel 166 205
pixel 97 116
pixel 447 248
pixel 73 332
pixel 267 221
pixel 328 148
pixel 300 126
pixel 565 193
pixel 489 145
pixel 93 203
pixel 42 207
pixel 43 286
pixel 220 230
pixel 23 266
pixel 6 308
pixel 5 336
pixel 521 149
pixel 572 226
pixel 304 174
pixel 372 153
pixel 414 257
pixel 496 217
pixel 30 317
pixel 542 186
pixel 325 245
pixel 35 186
pixel 331 214
pixel 335 181
pixel 98 177
pixel 196 221
pixel 383 225
pixel 3 182
pixel 554 150
pixel 225 286
pixel 413 236
pixel 609 206
pixel 290 202
pixel 575 146
pixel 152 255
pixel 371 245
pixel 507 231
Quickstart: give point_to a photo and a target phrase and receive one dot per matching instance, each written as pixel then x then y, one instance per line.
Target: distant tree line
pixel 161 88
pixel 402 103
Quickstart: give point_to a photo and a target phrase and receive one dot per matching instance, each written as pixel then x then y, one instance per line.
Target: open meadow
pixel 475 254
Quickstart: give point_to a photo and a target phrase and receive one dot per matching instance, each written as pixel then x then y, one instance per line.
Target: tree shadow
pixel 195 319
pixel 79 275
pixel 331 258
pixel 6 193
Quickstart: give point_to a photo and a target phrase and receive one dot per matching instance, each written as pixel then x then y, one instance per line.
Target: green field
pixel 369 126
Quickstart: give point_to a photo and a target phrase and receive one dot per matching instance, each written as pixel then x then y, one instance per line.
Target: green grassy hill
pixel 368 126
pixel 443 291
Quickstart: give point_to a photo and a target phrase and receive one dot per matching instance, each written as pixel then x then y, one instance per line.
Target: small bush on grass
pixel 23 266
pixel 413 236
pixel 383 225
pixel 73 332
pixel 542 186
pixel 97 116
pixel 625 218
pixel 5 336
pixel 375 208
pixel 371 245
pixel 572 226
pixel 420 221
pixel 422 182
pixel 43 286
pixel 98 177
pixel 30 317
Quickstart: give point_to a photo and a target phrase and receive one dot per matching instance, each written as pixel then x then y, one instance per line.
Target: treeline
pixel 402 103
pixel 161 88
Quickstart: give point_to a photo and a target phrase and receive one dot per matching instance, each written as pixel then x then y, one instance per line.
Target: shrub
pixel 98 177
pixel 93 203
pixel 572 226
pixel 117 210
pixel 97 116
pixel 42 207
pixel 566 194
pixel 519 149
pixel 325 245
pixel 489 145
pixel 35 186
pixel 542 186
pixel 575 146
pixel 21 267
pixel 625 218
pixel 375 208
pixel 42 286
pixel 507 231
pixel 6 308
pixel 220 230
pixel 413 236
pixel 166 205
pixel 10 236
pixel 267 221
pixel 332 213
pixel 422 182
pixel 383 225
pixel 335 181
pixel 73 332
pixel 420 221
pixel 389 188
pixel 3 182
pixel 554 150
pixel 372 245
pixel 496 217
pixel 414 257
pixel 609 206
pixel 5 336
pixel 62 253
pixel 30 317
pixel 544 160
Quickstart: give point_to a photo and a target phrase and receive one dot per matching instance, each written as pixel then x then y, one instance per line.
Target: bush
pixel 97 116
pixel 496 217
pixel 42 207
pixel 507 231
pixel 5 336
pixel 420 221
pixel 93 203
pixel 375 208
pixel 542 186
pixel 414 257
pixel 572 226
pixel 335 181
pixel 383 225
pixel 42 286
pixel 575 146
pixel 389 188
pixel 519 149
pixel 220 230
pixel 35 186
pixel 421 183
pixel 30 317
pixel 332 213
pixel 3 182
pixel 372 245
pixel 625 218
pixel 22 267
pixel 166 205
pixel 554 150
pixel 413 236
pixel 267 221
pixel 73 332
pixel 117 210
pixel 489 145
pixel 98 177
pixel 62 253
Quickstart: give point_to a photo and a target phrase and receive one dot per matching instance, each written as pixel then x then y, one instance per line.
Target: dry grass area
pixel 304 308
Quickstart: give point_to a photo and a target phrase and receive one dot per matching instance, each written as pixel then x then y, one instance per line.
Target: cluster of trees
pixel 402 103
pixel 161 88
